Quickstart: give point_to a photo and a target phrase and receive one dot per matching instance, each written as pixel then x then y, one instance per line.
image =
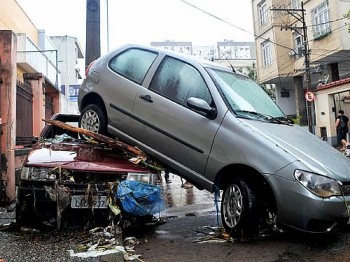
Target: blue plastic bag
pixel 139 198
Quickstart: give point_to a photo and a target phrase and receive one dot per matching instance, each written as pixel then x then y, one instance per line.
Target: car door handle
pixel 147 98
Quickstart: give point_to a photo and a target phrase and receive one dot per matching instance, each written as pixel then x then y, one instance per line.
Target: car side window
pixel 179 81
pixel 133 64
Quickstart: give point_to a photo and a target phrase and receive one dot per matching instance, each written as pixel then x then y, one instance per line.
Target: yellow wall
pixel 282 63
pixel 20 72
pixel 13 17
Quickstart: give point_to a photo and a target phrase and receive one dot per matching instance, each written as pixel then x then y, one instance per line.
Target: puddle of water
pixel 175 195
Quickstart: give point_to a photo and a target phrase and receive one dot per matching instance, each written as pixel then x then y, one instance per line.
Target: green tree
pixel 347 16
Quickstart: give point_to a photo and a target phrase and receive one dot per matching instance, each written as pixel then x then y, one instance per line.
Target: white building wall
pixel 69 53
pixel 286 103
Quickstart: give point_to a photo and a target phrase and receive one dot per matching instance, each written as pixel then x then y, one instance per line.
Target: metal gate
pixel 24 114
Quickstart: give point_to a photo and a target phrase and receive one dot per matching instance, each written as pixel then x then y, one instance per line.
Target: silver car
pixel 218 129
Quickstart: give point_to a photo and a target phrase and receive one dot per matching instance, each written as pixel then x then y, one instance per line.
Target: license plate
pixel 97 202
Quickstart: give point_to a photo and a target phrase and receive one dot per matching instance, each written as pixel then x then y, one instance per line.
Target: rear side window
pixel 133 64
pixel 179 81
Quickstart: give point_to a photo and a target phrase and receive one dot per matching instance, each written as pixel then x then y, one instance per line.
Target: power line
pixel 237 27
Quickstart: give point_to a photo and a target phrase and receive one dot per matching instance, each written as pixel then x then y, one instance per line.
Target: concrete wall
pixel 8 49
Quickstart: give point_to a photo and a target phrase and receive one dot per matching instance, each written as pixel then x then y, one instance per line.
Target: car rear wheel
pixel 93 119
pixel 240 209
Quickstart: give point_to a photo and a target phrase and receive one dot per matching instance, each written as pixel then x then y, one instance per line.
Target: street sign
pixel 310 96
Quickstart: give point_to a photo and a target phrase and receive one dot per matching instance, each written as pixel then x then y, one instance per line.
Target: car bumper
pixel 300 209
pixel 39 196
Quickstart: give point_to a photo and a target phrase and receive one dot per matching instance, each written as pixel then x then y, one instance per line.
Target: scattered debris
pixel 112 142
pixel 213 235
pixel 61 196
pixel 105 241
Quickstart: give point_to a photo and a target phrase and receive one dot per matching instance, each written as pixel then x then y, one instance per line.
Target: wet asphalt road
pixel 187 234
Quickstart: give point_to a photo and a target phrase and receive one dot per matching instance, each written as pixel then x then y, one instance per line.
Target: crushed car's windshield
pixel 246 98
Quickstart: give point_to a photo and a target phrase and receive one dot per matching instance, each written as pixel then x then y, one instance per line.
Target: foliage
pixel 296 119
pixel 347 16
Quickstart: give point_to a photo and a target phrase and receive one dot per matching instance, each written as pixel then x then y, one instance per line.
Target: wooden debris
pixel 98 137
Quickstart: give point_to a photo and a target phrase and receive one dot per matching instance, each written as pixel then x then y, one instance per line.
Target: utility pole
pixel 93 45
pixel 299 15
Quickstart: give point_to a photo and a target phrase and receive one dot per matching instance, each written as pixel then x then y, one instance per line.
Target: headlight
pixel 37 174
pixel 319 185
pixel 143 177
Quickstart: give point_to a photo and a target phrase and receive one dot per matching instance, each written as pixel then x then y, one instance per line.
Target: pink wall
pixel 8 48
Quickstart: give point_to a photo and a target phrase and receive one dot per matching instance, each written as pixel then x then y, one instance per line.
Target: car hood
pixel 305 147
pixel 80 156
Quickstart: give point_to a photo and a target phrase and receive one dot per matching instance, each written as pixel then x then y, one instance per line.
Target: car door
pixel 122 83
pixel 169 126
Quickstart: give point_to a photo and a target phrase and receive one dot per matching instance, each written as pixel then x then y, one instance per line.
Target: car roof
pixel 182 56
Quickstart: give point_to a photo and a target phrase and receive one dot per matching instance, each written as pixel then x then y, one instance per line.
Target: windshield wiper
pixel 261 116
pixel 285 120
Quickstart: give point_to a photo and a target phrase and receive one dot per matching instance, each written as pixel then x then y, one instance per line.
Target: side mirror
pixel 201 106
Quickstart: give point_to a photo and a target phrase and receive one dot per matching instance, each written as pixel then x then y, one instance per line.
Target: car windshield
pixel 246 98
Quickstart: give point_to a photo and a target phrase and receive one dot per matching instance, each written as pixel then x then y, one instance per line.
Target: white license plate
pixel 97 202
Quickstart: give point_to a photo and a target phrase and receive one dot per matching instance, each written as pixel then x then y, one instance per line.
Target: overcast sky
pixel 141 21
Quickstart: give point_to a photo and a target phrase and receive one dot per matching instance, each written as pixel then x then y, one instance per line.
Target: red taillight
pixel 88 68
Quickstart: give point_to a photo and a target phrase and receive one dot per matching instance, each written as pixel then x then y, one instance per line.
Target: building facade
pixel 30 82
pixel 239 55
pixel 299 46
pixel 70 54
pixel 180 47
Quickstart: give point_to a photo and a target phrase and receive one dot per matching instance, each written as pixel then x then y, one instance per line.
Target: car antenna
pixel 233 69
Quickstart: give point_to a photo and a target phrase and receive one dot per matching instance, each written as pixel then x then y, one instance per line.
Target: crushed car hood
pixel 80 156
pixel 305 147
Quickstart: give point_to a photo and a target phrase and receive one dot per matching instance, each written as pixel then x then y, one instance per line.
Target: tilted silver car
pixel 220 130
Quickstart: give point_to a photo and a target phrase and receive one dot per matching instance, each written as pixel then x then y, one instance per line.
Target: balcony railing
pixel 32 59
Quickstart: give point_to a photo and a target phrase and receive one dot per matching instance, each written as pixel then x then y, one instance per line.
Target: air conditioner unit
pixel 292 52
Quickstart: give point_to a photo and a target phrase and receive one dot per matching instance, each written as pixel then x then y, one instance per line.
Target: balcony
pixel 33 60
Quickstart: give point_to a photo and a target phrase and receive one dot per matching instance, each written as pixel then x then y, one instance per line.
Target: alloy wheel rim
pixel 90 121
pixel 232 206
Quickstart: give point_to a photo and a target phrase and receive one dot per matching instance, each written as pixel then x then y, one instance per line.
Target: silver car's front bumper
pixel 297 207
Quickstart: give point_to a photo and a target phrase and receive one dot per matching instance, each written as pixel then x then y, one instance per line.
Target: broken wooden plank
pixel 98 137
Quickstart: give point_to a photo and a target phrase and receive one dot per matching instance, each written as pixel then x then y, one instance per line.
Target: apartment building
pixel 240 55
pixel 180 47
pixel 70 55
pixel 205 52
pixel 301 45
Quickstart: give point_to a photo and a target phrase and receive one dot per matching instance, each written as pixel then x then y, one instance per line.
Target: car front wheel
pixel 93 119
pixel 239 209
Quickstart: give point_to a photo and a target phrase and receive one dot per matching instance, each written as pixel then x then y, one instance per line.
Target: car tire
pixel 240 209
pixel 94 119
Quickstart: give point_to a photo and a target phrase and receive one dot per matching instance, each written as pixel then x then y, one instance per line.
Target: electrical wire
pixel 237 27
pixel 257 23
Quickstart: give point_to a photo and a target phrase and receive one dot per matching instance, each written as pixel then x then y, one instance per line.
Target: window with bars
pixel 320 19
pixel 266 53
pixel 298 44
pixel 262 13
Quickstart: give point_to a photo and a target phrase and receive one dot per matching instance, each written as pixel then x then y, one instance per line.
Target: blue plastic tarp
pixel 139 198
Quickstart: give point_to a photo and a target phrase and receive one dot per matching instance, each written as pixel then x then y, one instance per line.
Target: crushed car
pixel 65 179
